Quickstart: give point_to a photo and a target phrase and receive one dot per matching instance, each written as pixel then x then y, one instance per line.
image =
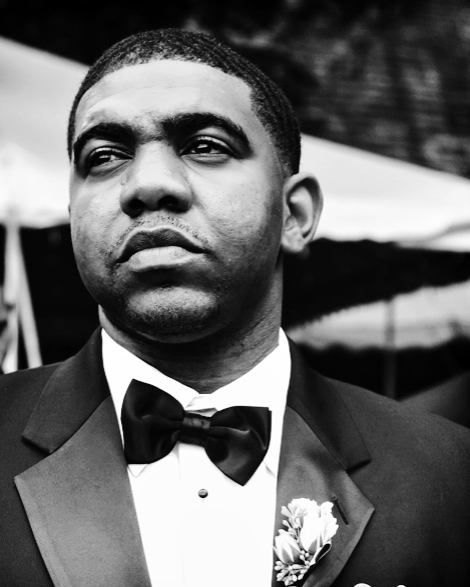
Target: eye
pixel 208 149
pixel 104 160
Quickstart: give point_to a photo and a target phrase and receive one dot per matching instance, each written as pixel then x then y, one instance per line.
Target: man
pixel 131 464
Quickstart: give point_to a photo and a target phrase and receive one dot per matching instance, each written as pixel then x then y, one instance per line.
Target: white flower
pixel 297 509
pixel 310 528
pixel 286 548
pixel 318 528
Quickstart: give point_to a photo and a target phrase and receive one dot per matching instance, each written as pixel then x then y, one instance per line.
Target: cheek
pixel 91 223
pixel 248 221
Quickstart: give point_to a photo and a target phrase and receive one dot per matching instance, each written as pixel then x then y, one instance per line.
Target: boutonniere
pixel 307 538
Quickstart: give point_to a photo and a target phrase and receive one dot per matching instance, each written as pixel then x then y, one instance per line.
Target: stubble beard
pixel 166 320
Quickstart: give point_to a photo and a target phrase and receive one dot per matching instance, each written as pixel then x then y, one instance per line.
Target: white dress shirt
pixel 226 538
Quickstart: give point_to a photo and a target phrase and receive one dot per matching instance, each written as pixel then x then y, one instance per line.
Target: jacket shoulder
pixel 364 404
pixel 407 436
pixel 19 391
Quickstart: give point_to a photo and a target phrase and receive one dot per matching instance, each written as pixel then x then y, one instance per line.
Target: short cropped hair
pixel 269 103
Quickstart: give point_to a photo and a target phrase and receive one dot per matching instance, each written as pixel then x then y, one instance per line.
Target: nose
pixel 155 181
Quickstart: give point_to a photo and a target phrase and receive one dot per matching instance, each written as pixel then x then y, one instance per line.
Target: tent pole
pixel 389 383
pixel 11 294
pixel 26 316
pixel 18 303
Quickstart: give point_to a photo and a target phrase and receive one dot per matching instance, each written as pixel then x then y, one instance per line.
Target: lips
pixel 157 238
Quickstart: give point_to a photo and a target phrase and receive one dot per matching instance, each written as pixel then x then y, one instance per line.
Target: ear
pixel 303 203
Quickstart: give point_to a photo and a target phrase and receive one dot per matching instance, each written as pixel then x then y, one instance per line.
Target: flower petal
pixel 325 549
pixel 286 547
pixel 330 528
pixel 319 526
pixel 311 534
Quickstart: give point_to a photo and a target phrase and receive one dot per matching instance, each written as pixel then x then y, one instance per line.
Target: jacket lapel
pixel 320 444
pixel 78 500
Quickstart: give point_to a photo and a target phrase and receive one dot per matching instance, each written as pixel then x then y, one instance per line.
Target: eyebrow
pixel 184 123
pixel 190 122
pixel 111 131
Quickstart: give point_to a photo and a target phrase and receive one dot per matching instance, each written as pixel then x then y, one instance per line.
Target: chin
pixel 168 321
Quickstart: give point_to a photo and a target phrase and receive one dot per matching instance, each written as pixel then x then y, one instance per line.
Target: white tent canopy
pixel 383 199
pixel 33 193
pixel 428 317
pixel 36 92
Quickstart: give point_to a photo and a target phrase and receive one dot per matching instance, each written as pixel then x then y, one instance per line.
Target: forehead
pixel 167 87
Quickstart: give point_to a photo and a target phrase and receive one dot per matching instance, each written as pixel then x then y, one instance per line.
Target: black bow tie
pixel 235 439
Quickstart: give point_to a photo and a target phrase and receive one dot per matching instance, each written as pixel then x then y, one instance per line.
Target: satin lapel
pixel 76 388
pixel 319 442
pixel 79 504
pixel 78 500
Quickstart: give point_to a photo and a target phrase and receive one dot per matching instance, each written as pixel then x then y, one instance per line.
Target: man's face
pixel 176 202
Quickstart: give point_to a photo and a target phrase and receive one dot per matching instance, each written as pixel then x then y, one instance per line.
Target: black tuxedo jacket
pixel 399 481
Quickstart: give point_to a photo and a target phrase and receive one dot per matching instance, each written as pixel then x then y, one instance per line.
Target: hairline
pixel 285 166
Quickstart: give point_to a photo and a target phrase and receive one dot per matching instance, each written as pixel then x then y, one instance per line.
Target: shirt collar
pixel 265 385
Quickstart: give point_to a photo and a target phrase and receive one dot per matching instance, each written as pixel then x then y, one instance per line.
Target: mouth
pixel 158 247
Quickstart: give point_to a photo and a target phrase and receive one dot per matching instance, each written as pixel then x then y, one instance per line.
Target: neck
pixel 208 363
